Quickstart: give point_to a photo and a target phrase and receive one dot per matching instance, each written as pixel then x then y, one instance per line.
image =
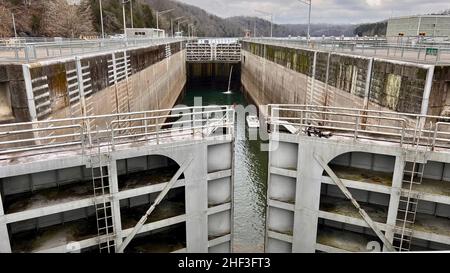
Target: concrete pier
pixel 48 204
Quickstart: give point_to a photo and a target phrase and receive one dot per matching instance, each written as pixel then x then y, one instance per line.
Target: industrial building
pixel 433 26
pixel 145 33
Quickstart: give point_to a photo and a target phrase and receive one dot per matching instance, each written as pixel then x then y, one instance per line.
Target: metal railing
pixel 149 127
pixel 433 54
pixel 406 130
pixel 66 48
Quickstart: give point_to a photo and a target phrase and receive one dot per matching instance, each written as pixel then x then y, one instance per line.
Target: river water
pixel 250 181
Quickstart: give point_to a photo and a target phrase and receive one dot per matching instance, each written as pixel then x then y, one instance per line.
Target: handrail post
pixel 435 136
pixel 145 126
pixel 402 138
pixel 438 55
pixel 301 120
pixel 82 140
pixel 357 124
pixel 157 130
pixel 192 122
pixel 112 136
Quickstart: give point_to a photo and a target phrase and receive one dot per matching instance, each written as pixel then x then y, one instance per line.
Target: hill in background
pixel 59 18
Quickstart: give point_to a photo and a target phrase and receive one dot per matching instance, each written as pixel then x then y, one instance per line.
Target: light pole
pixel 271 20
pixel 131 12
pixel 124 18
pixel 101 20
pixel 158 13
pixel 14 25
pixel 182 22
pixel 309 3
pixel 190 26
pixel 175 20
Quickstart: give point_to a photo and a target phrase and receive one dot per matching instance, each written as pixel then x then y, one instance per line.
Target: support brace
pixel 355 203
pixel 158 200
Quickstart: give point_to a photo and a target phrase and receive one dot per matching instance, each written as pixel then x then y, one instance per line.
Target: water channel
pixel 250 164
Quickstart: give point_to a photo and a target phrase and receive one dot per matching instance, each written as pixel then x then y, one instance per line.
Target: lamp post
pixel 124 18
pixel 158 13
pixel 101 20
pixel 271 20
pixel 175 20
pixel 182 22
pixel 190 26
pixel 131 12
pixel 14 25
pixel 309 3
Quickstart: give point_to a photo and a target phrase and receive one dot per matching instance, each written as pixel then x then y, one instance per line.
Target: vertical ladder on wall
pixel 43 104
pixel 87 89
pixel 168 51
pixel 42 100
pixel 408 203
pixel 119 69
pixel 102 192
pixel 73 93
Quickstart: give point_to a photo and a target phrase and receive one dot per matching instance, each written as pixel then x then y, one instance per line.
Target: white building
pixel 145 33
pixel 437 26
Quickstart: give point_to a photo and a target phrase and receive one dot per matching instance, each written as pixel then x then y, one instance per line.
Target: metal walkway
pixel 21 140
pixel 391 128
pixel 213 51
pixel 424 54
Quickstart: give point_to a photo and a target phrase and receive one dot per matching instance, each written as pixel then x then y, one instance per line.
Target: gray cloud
pixel 324 11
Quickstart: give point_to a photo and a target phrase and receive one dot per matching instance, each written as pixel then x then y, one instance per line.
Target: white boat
pixel 253 122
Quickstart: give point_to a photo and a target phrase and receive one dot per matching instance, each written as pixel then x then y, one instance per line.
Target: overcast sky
pixel 324 11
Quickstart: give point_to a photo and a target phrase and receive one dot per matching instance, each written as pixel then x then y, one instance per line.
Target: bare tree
pixel 65 20
pixel 5 26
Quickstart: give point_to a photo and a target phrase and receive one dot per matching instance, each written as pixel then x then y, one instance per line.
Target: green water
pixel 250 168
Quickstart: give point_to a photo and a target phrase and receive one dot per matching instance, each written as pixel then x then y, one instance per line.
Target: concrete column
pixel 29 90
pixel 395 197
pixel 81 86
pixel 327 78
pixel 5 245
pixel 264 71
pixel 307 201
pixel 368 82
pixel 427 90
pixel 115 202
pixel 197 201
pixel 313 77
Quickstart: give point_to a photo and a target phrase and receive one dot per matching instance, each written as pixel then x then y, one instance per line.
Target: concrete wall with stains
pixel 276 74
pixel 156 81
pixel 13 98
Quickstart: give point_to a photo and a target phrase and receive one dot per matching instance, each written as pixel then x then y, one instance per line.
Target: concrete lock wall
pixel 13 101
pixel 155 81
pixel 276 74
pixel 307 212
pixel 206 186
